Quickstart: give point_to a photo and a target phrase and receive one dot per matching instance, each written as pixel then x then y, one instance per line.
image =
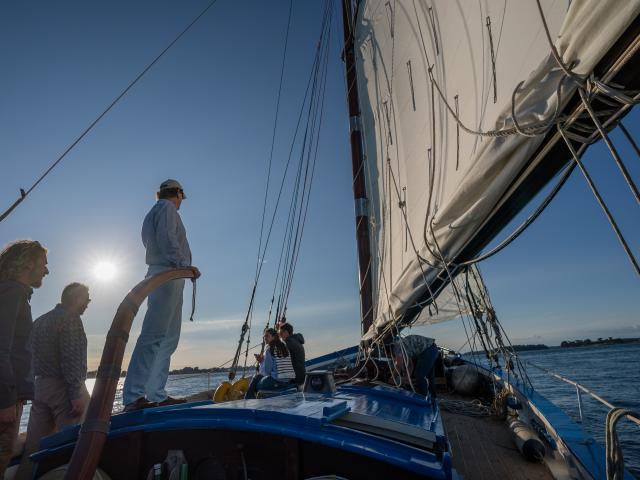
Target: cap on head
pixel 170 183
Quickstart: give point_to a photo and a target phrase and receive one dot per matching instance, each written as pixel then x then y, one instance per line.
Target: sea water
pixel 613 372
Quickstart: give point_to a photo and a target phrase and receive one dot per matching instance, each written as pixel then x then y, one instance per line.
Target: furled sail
pixel 439 83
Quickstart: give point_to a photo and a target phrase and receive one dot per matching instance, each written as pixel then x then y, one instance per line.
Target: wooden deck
pixel 482 449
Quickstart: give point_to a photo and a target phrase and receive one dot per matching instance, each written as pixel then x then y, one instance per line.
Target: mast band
pixel 362 207
pixel 354 123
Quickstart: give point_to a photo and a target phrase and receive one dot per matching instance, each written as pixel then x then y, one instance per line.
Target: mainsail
pixel 440 84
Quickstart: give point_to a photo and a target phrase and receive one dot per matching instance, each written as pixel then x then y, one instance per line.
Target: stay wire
pixel 307 190
pixel 301 191
pixel 23 193
pixel 278 198
pixel 273 136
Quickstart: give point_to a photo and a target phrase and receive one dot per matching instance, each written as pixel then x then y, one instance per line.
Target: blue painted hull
pixel 373 430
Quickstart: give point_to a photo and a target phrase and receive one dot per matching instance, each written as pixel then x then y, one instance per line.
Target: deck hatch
pixel 382 427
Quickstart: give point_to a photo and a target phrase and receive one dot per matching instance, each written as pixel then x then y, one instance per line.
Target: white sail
pixel 452 302
pixel 420 165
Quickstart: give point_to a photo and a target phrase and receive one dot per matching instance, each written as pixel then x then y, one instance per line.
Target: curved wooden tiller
pixel 93 433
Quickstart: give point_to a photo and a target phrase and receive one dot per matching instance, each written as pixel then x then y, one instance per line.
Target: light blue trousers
pixel 149 366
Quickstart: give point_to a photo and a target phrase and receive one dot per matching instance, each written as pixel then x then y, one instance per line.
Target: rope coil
pixel 615 459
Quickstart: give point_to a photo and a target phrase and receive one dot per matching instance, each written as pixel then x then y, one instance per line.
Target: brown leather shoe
pixel 171 401
pixel 139 404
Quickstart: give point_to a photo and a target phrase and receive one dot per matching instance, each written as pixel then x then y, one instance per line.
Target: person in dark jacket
pixel 415 356
pixel 295 345
pixel 23 265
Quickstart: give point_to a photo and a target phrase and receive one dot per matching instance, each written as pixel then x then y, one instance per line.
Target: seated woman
pixel 276 371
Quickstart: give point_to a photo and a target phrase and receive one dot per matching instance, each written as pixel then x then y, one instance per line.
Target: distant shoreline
pixel 180 371
pixel 600 342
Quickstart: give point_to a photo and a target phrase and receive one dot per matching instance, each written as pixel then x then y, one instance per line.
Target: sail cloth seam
pixel 23 193
pixel 519 128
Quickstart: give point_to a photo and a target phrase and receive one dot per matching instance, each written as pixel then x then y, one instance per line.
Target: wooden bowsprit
pixel 95 428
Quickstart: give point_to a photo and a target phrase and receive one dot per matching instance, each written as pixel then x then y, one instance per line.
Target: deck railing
pixel 579 390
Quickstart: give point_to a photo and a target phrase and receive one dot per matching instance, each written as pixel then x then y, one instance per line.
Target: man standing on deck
pixel 23 265
pixel 296 350
pixel 59 360
pixel 165 240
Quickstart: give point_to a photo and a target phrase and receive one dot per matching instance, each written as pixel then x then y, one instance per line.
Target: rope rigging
pixel 311 113
pixel 25 193
pixel 586 87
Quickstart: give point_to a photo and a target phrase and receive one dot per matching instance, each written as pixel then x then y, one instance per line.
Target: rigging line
pixel 311 159
pixel 306 208
pixel 318 99
pixel 284 176
pixel 486 298
pixel 603 205
pixel 405 359
pixel 554 50
pixel 537 128
pixel 246 352
pixel 612 148
pixel 280 191
pixel 629 138
pixel 567 172
pixel 445 264
pixel 287 237
pixel 530 219
pixel 413 245
pixel 273 136
pixel 458 298
pixel 565 175
pixel 24 194
pixel 297 242
pixel 293 210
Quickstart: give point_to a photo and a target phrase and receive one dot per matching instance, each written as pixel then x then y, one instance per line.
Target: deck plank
pixel 482 449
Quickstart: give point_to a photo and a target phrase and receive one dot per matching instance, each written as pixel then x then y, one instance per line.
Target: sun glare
pixel 104 271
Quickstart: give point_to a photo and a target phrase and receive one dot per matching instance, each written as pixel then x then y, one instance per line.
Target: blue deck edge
pixel 589 455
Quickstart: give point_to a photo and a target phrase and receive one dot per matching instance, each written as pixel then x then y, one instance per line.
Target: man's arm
pixel 73 356
pixel 10 303
pixel 166 236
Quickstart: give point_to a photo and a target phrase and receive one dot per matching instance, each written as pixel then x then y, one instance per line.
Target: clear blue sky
pixel 204 115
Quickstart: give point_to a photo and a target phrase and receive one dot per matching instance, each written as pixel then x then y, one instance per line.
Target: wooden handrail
pixel 93 433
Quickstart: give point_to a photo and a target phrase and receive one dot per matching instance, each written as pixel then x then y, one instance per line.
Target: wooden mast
pixel 357 161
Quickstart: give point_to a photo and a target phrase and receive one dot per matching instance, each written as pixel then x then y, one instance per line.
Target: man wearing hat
pixel 165 239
